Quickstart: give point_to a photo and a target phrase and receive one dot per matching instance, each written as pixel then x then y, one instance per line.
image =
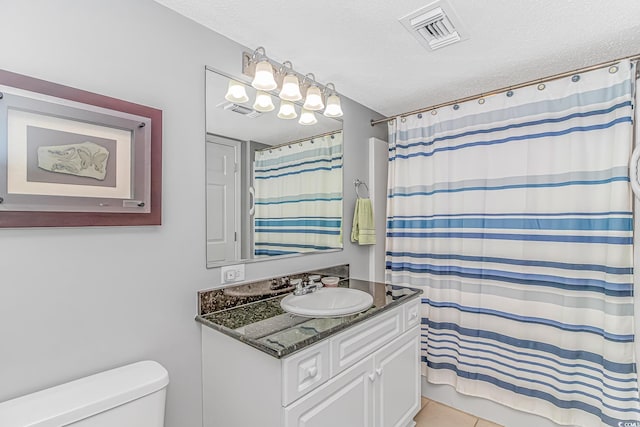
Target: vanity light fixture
pixel 287 110
pixel 263 76
pixel 268 75
pixel 313 101
pixel 290 88
pixel 263 102
pixel 236 93
pixel 307 117
pixel 290 84
pixel 333 108
pixel 263 79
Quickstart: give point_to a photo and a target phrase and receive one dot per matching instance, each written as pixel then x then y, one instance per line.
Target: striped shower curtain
pixel 513 214
pixel 298 197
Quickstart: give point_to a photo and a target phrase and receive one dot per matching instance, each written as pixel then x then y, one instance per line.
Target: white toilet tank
pixel 130 396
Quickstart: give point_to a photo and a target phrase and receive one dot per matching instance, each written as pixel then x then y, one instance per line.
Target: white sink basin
pixel 327 302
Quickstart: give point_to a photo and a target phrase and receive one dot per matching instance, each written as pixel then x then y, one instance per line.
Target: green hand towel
pixel 364 229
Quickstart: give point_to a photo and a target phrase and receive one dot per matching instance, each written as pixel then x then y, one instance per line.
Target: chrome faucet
pixel 303 288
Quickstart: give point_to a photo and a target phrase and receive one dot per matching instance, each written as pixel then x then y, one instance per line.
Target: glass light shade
pixel 313 101
pixel 236 92
pixel 307 117
pixel 290 88
pixel 287 110
pixel 263 102
pixel 263 79
pixel 333 107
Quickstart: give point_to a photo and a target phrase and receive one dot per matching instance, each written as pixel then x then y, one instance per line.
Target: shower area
pixel 513 212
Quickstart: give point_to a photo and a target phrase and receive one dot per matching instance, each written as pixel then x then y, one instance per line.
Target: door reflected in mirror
pixel 274 186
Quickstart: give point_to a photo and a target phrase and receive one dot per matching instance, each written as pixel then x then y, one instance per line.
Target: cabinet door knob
pixel 414 315
pixel 372 376
pixel 312 372
pixel 379 371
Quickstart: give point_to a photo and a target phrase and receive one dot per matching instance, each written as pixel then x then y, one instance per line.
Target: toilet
pixel 129 396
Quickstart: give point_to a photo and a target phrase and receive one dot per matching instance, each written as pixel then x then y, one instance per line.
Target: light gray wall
pixel 78 301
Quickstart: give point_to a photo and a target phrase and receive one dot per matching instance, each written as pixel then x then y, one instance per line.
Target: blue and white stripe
pixel 299 197
pixel 515 218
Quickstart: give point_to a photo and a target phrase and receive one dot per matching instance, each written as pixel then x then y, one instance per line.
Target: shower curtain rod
pixel 517 86
pixel 333 132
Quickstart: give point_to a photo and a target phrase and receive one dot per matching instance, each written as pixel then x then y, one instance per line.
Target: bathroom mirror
pixel 274 186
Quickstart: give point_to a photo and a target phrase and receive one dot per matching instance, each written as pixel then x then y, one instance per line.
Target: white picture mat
pixel 17 123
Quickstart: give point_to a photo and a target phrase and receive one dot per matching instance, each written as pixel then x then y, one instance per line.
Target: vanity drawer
pixel 412 314
pixel 355 344
pixel 304 371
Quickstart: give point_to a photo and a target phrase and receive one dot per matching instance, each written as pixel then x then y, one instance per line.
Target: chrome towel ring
pixel 357 183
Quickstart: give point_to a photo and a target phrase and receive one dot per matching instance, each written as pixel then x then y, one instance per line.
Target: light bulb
pixel 290 88
pixel 333 107
pixel 287 110
pixel 263 79
pixel 307 117
pixel 236 92
pixel 263 102
pixel 313 101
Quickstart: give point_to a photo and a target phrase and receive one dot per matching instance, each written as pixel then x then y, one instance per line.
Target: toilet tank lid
pixel 84 397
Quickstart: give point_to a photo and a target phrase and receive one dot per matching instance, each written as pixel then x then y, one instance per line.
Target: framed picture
pixel 74 158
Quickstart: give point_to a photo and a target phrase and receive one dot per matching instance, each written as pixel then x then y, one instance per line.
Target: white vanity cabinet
pixel 382 391
pixel 365 376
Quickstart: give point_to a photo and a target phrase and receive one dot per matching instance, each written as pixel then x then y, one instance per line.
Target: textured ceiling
pixel 361 46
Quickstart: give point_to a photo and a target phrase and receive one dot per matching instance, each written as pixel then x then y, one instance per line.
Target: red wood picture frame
pixel 151 180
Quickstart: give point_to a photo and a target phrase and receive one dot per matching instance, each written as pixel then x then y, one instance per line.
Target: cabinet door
pixel 397 368
pixel 344 401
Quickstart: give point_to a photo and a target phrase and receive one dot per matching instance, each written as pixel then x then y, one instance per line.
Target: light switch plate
pixel 232 273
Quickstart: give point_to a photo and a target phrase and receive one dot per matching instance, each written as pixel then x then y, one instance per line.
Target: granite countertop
pixel 267 327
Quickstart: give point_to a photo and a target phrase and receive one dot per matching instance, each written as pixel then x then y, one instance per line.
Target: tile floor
pixel 434 414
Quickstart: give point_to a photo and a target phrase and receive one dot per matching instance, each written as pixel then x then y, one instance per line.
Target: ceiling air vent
pixel 240 109
pixel 435 25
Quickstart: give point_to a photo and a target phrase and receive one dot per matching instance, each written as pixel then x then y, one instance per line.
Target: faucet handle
pixel 315 280
pixel 299 287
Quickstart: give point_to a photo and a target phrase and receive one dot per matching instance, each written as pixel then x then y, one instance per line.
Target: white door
pixel 222 200
pixel 345 401
pixel 397 391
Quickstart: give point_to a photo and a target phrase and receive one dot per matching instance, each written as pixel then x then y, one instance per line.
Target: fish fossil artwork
pixel 85 159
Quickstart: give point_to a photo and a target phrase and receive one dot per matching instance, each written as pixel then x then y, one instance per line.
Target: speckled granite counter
pixel 267 327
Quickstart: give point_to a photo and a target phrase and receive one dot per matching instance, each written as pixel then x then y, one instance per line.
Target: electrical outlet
pixel 232 273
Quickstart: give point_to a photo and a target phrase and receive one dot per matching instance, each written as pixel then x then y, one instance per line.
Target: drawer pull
pixel 312 372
